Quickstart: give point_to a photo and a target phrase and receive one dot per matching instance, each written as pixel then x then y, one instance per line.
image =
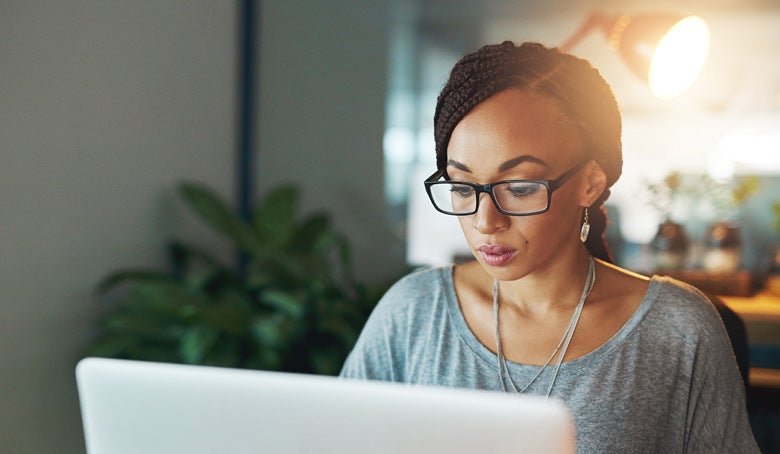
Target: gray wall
pixel 323 85
pixel 104 106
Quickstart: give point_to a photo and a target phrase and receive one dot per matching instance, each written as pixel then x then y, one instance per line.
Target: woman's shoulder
pixel 661 303
pixel 423 283
pixel 422 279
pixel 681 304
pixel 678 298
pixel 679 293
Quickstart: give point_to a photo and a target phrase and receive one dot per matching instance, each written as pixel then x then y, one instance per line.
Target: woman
pixel 527 145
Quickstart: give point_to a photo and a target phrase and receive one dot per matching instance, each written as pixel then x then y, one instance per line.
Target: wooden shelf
pixel 764 378
pixel 736 283
pixel 762 307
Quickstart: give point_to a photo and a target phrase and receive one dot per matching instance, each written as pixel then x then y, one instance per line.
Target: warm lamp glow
pixel 665 50
pixel 679 57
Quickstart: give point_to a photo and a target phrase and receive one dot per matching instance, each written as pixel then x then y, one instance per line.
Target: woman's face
pixel 516 136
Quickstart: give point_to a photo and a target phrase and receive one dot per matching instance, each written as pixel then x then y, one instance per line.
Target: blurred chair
pixel 735 328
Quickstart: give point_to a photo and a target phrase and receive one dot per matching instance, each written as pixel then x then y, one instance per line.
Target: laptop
pixel 144 407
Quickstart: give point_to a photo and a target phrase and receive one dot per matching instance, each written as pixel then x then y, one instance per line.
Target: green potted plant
pixel 697 197
pixel 670 243
pixel 291 303
pixel 722 240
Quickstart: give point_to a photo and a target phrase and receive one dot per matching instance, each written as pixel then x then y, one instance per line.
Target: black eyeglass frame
pixel 551 185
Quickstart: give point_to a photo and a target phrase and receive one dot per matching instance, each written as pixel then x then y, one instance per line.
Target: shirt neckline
pixel 484 353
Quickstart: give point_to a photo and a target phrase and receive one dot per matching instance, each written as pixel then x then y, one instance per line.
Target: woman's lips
pixel 496 255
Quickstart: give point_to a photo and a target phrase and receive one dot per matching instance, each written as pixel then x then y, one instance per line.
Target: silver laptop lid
pixel 150 408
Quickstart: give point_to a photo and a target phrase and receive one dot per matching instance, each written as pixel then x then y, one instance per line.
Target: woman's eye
pixel 523 190
pixel 462 191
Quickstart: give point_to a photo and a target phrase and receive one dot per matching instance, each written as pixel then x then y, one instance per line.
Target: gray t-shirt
pixel 666 382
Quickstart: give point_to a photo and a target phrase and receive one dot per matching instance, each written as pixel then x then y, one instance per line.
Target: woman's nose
pixel 488 219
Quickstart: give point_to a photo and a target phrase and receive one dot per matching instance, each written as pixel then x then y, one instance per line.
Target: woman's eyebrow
pixel 503 167
pixel 458 165
pixel 519 160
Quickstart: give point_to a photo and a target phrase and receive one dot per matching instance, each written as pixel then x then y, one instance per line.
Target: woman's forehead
pixel 513 125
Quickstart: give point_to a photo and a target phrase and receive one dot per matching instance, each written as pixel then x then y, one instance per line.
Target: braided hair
pixel 581 91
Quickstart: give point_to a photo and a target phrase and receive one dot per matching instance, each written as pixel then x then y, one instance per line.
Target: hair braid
pixel 597 218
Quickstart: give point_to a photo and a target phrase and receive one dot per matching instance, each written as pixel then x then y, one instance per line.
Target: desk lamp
pixel 667 51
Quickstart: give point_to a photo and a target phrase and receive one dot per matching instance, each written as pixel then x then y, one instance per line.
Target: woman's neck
pixel 554 288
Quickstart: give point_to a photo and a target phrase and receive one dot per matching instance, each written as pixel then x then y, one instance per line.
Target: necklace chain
pixel 564 342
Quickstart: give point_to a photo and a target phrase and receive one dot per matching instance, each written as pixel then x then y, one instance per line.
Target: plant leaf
pixel 284 302
pixel 184 255
pixel 196 341
pixel 126 276
pixel 216 213
pixel 268 331
pixel 274 218
pixel 310 231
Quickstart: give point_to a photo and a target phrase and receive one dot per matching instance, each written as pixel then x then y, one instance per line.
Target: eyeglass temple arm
pixel 561 180
pixel 436 175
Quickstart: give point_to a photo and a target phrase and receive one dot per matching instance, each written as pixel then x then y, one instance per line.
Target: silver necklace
pixel 564 342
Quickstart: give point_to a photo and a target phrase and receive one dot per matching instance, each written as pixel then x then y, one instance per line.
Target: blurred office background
pixel 106 106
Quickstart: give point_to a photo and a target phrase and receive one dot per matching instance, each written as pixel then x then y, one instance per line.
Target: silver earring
pixel 585 230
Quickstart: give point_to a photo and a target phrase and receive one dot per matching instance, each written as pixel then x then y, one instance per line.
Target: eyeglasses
pixel 511 197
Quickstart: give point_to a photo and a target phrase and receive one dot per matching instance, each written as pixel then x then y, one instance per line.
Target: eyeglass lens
pixel 513 197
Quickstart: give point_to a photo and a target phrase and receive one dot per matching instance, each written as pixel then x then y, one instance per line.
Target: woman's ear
pixel 595 183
